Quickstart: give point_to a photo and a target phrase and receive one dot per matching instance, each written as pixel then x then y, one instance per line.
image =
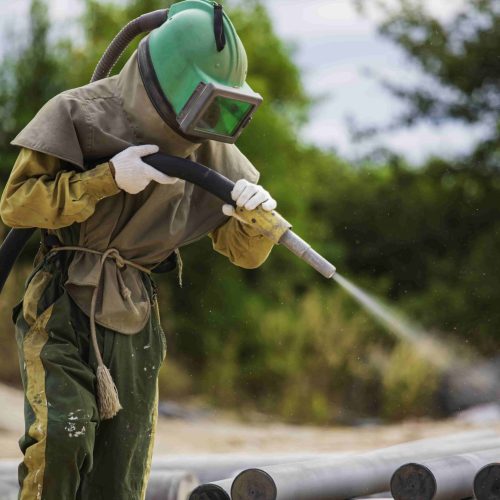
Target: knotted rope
pixel 107 393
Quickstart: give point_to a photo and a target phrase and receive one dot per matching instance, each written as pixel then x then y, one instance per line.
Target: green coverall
pixel 68 452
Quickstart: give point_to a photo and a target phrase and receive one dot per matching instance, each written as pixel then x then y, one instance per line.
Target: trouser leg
pixel 60 407
pixel 123 445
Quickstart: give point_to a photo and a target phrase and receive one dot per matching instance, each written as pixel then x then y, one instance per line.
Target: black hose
pixel 145 23
pixel 193 172
pixel 188 170
pixel 10 250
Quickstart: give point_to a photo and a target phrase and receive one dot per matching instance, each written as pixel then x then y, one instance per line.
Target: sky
pixel 335 48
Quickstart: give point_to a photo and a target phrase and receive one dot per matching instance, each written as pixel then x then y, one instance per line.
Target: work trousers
pixel 69 453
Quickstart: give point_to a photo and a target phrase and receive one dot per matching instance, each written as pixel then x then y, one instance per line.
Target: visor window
pixel 224 116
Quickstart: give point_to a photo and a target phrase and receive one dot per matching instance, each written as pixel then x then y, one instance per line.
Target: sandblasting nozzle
pixel 303 250
pixel 277 229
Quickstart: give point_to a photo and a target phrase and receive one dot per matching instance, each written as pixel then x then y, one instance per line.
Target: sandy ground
pixel 223 434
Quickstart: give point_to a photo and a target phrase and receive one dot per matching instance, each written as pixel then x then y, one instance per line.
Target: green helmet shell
pixel 184 53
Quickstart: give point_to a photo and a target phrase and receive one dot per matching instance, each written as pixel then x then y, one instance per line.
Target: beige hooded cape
pixel 95 122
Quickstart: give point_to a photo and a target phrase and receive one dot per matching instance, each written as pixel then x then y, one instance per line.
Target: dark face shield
pixel 218 112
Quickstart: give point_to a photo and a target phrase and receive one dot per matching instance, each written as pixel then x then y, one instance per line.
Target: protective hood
pixel 97 121
pixel 85 125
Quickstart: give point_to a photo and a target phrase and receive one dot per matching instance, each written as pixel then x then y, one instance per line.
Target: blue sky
pixel 334 48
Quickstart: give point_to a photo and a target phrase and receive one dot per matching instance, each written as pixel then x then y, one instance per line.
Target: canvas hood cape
pixel 91 123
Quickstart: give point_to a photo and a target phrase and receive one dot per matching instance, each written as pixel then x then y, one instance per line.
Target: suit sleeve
pixel 40 194
pixel 241 244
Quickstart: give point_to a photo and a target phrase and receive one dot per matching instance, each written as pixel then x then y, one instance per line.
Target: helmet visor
pixel 223 117
pixel 218 112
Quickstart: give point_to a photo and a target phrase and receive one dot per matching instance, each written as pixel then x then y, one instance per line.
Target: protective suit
pixel 70 449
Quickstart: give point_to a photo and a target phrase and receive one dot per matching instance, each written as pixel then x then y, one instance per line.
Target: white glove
pixel 132 174
pixel 249 196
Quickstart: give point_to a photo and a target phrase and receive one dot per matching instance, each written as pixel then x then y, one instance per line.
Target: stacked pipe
pixel 340 478
pixel 451 467
pixel 442 478
pixel 174 478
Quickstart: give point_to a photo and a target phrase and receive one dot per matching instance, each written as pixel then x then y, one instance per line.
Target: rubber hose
pixel 143 24
pixel 193 172
pixel 10 250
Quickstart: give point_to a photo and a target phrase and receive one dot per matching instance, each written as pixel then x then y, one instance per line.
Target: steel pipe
pixel 356 476
pixel 210 468
pixel 9 488
pixel 380 496
pixel 220 489
pixel 171 485
pixel 170 479
pixel 487 482
pixel 441 478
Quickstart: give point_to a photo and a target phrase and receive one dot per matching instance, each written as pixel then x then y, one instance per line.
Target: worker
pixel 88 328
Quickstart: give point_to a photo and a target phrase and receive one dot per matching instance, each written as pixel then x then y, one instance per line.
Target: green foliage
pixel 277 77
pixel 410 384
pixel 27 80
pixel 461 63
pixel 461 56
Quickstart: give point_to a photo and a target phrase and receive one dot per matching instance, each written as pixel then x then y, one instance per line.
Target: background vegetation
pixel 279 339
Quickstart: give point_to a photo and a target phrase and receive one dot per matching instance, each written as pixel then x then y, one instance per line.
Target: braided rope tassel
pixel 107 394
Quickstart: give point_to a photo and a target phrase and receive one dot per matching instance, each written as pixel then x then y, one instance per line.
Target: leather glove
pixel 132 174
pixel 250 196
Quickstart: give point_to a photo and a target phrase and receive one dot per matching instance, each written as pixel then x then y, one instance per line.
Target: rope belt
pixel 107 393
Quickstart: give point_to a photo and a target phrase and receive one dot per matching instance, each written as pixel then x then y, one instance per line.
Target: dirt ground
pixel 223 434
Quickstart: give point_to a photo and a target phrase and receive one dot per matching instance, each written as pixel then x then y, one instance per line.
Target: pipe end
pixel 252 484
pixel 209 492
pixel 487 482
pixel 413 482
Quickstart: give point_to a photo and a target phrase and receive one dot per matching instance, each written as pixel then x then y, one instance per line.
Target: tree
pixel 28 79
pixel 461 63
